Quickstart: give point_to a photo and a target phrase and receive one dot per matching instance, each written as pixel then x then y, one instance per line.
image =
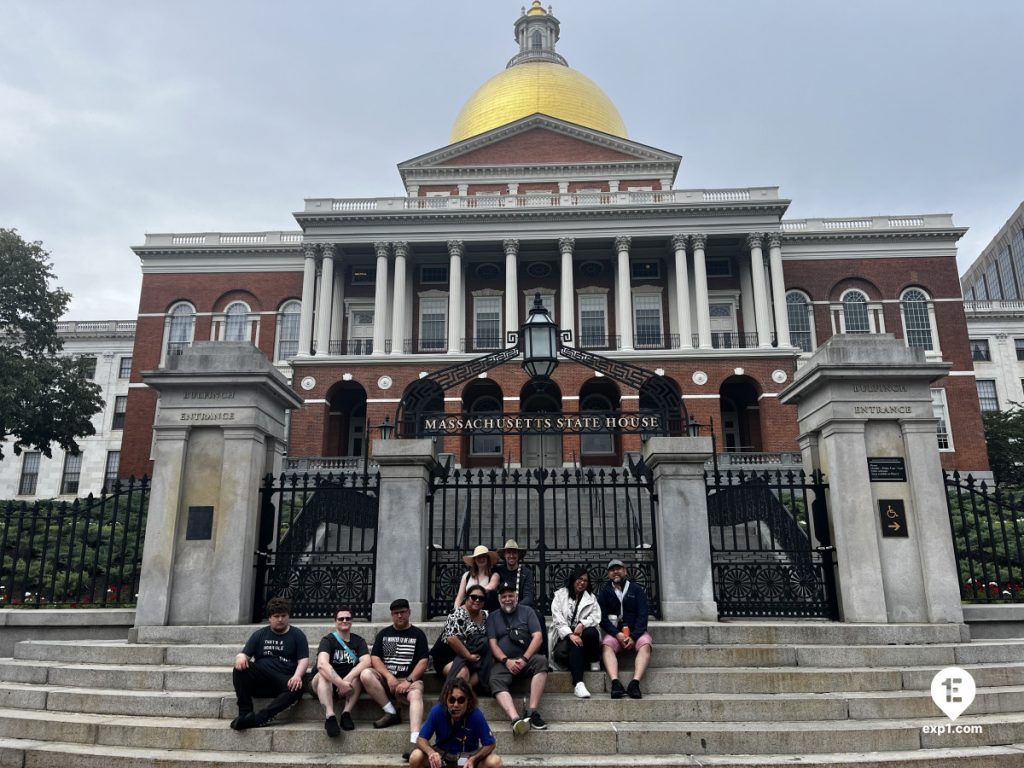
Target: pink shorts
pixel 613 642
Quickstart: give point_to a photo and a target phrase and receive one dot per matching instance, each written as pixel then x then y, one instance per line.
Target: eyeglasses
pixel 344 618
pixel 457 699
pixel 476 598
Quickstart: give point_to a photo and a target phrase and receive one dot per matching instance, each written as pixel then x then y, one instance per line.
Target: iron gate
pixel 771 552
pixel 317 543
pixel 564 518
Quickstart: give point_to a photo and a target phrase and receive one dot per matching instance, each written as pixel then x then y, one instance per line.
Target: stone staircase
pixel 718 694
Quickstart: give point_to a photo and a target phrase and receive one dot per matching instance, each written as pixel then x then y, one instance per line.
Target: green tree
pixel 44 397
pixel 1004 436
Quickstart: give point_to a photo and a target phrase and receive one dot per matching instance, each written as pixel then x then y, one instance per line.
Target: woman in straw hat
pixel 481 571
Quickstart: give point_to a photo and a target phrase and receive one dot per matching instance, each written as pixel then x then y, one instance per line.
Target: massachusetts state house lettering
pixel 545 423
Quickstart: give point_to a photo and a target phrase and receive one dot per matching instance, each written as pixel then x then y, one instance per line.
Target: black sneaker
pixel 617 690
pixel 537 722
pixel 405 756
pixel 387 720
pixel 332 727
pixel 243 721
pixel 346 722
pixel 633 690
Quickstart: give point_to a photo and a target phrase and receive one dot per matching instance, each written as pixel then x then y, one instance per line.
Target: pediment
pixel 540 140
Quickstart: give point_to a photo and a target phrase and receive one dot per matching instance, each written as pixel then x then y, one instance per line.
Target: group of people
pixel 478 649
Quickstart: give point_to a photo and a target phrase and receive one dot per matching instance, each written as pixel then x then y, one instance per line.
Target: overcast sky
pixel 119 118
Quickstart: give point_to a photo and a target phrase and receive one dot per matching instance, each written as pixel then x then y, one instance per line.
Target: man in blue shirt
pixel 459 729
pixel 624 609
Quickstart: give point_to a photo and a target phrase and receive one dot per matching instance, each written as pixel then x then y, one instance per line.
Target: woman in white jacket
pixel 575 617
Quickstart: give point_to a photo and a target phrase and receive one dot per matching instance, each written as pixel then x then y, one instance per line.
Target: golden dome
pixel 537 86
pixel 536 9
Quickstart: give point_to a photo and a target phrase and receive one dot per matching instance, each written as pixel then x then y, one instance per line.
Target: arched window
pixel 801 333
pixel 596 443
pixel 917 319
pixel 855 313
pixel 536 41
pixel 485 442
pixel 236 322
pixel 288 329
pixel 181 326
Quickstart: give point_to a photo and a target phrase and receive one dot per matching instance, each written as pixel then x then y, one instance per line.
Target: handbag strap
pixel 348 651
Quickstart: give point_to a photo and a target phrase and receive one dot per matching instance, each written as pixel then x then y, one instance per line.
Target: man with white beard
pixel 514 635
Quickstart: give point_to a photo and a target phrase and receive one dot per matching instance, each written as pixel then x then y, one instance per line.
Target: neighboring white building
pixel 994 304
pixel 33 476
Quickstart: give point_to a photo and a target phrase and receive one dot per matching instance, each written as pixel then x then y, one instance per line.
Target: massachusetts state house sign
pixel 515 424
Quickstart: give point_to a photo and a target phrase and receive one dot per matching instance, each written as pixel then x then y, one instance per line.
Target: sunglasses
pixel 476 598
pixel 457 699
pixel 344 618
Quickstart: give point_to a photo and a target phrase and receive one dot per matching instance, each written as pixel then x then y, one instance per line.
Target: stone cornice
pixel 496 174
pixel 953 233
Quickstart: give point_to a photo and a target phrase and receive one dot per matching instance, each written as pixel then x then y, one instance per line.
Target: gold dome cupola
pixel 537 80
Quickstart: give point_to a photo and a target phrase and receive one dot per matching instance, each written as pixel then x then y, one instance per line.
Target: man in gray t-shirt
pixel 514 636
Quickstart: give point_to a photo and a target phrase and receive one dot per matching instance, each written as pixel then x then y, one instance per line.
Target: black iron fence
pixel 74 554
pixel 317 542
pixel 987 527
pixel 771 553
pixel 563 518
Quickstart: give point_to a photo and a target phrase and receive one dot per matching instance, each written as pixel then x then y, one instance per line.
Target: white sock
pixel 390 709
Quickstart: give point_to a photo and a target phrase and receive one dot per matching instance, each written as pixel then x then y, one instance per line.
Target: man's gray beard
pixel 508 608
pixel 618 582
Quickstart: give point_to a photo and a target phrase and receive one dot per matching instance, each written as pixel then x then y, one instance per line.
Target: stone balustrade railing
pixel 863 223
pixel 96 327
pixel 1011 308
pixel 225 238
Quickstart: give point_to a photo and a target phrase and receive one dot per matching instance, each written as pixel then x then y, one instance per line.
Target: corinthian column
pixel 700 284
pixel 308 299
pixel 682 292
pixel 566 291
pixel 455 299
pixel 323 313
pixel 623 296
pixel 380 298
pixel 398 308
pixel 511 247
pixel 778 289
pixel 764 334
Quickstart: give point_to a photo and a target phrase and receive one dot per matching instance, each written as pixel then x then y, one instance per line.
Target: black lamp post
pixel 386 428
pixel 539 337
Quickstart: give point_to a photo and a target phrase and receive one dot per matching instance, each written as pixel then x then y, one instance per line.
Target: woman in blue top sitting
pixel 460 732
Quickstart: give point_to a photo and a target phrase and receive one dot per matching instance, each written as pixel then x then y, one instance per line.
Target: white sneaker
pixel 595 666
pixel 581 691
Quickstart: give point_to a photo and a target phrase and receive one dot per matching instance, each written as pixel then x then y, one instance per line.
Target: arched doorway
pixel 541 448
pixel 741 414
pixel 346 432
pixel 660 395
pixel 424 400
pixel 599 397
pixel 482 447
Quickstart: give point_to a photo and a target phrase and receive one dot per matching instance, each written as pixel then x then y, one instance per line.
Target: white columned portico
pixel 623 295
pixel 455 300
pixel 764 334
pixel 682 291
pixel 778 289
pixel 566 290
pixel 380 298
pixel 700 280
pixel 323 312
pixel 308 299
pixel 511 246
pixel 398 309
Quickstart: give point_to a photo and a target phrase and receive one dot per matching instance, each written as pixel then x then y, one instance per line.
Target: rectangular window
pixel 979 350
pixel 987 398
pixel 29 474
pixel 487 322
pixel 434 273
pixel 647 321
pixel 364 275
pixel 718 267
pixel 120 406
pixel 124 368
pixel 88 367
pixel 72 472
pixel 941 413
pixel 995 290
pixel 1019 346
pixel 433 325
pixel 111 470
pixel 645 270
pixel 593 320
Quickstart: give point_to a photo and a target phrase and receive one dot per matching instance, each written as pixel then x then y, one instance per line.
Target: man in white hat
pixel 512 570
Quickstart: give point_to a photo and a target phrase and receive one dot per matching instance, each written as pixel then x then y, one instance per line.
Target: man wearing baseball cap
pixel 512 570
pixel 624 609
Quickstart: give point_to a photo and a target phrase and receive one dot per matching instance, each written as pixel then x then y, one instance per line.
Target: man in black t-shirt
pixel 398 661
pixel 271 665
pixel 340 660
